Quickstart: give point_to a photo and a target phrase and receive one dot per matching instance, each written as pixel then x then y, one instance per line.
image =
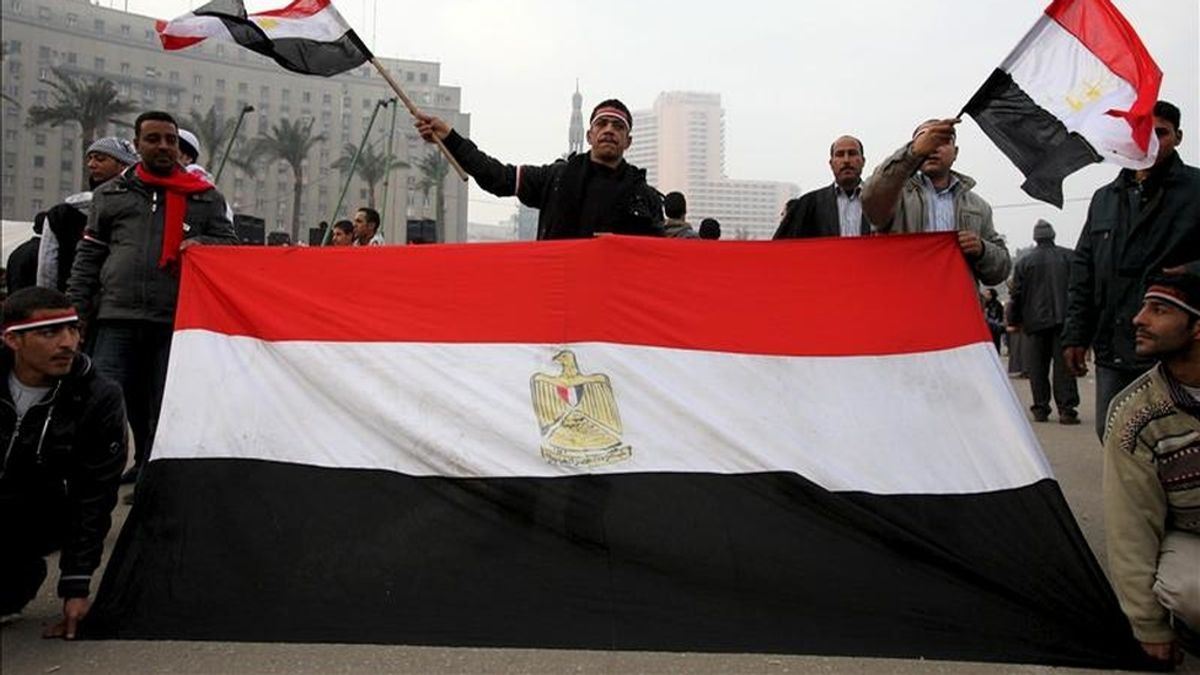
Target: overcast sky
pixel 792 76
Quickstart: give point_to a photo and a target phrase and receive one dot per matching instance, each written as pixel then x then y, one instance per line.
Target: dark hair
pixel 861 151
pixel 710 229
pixel 1168 112
pixel 345 226
pixel 21 305
pixel 675 205
pixel 152 116
pixel 613 103
pixel 372 215
pixel 991 294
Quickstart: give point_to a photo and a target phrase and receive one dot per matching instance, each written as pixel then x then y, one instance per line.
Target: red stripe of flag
pixel 300 9
pixel 1101 28
pixel 173 42
pixel 882 295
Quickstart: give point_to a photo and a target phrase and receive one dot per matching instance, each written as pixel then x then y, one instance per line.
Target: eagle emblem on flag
pixel 578 416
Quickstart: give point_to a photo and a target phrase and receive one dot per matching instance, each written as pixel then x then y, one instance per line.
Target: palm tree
pixel 434 169
pixel 91 105
pixel 213 134
pixel 289 142
pixel 372 167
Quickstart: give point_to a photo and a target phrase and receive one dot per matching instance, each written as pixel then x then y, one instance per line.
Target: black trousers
pixel 1044 364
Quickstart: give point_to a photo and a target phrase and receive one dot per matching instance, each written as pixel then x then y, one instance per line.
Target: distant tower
pixel 576 121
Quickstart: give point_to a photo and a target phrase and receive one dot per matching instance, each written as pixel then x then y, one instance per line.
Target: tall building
pixel 576 134
pixel 680 142
pixel 41 165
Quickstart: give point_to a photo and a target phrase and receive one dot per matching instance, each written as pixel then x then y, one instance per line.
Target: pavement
pixel 1073 452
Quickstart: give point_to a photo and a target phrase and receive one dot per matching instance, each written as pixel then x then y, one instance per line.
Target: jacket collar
pixel 1180 398
pixel 80 369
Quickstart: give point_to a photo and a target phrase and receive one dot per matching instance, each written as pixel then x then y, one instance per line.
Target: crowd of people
pixel 88 335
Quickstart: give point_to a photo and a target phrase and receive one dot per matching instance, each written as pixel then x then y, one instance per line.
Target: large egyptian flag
pixel 307 36
pixel 1079 88
pixel 620 443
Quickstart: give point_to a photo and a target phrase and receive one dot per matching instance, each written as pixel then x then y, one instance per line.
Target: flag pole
pixel 325 239
pixel 412 108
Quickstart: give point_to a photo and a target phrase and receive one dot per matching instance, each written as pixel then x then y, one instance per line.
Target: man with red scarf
pixel 140 223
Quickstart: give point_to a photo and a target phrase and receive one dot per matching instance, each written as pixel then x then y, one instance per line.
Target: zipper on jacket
pixel 17 427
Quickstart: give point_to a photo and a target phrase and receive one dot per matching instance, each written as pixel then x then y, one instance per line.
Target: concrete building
pixel 39 166
pixel 680 142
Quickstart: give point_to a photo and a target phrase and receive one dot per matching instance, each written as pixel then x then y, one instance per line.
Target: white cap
pixel 189 143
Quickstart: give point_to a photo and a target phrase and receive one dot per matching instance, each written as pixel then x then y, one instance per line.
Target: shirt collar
pixel 857 191
pixel 951 188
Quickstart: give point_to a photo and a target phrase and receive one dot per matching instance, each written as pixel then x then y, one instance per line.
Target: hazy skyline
pixel 792 77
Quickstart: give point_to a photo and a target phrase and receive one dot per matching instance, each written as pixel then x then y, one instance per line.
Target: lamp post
pixel 229 146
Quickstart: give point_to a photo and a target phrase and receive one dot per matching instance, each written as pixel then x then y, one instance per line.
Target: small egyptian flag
pixel 1080 88
pixel 307 36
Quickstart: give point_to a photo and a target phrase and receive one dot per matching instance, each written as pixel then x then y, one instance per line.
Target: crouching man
pixel 1152 473
pixel 62 428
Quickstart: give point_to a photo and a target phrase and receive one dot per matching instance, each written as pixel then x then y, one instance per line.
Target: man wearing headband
pixel 141 222
pixel 1152 473
pixel 916 190
pixel 597 191
pixel 62 427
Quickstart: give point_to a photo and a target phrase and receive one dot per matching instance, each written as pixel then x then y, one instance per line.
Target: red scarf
pixel 178 186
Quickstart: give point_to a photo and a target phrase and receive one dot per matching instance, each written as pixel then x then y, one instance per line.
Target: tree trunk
pixel 439 194
pixel 297 192
pixel 371 197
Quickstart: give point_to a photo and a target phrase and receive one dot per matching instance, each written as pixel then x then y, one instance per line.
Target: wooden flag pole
pixel 412 108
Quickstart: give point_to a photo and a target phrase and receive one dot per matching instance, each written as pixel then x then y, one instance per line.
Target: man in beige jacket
pixel 915 190
pixel 1152 473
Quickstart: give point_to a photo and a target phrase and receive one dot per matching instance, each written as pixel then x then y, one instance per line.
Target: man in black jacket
pixel 63 430
pixel 1137 225
pixel 597 191
pixel 127 267
pixel 834 210
pixel 1039 307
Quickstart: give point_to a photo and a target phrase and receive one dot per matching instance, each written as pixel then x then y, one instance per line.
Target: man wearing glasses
pixel 597 191
pixel 1137 225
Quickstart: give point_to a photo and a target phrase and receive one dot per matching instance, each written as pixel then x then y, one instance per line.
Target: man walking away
pixel 1039 309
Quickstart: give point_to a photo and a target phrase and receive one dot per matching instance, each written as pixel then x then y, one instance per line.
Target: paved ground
pixel 1074 452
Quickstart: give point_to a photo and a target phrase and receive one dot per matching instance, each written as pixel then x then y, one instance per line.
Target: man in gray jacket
pixel 125 279
pixel 1039 307
pixel 915 190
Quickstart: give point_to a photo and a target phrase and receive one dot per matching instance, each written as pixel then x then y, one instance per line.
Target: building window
pixel 197 80
pixel 408 77
pixel 124 29
pixel 174 77
pixel 124 68
pixel 220 84
pixel 99 64
pixel 197 100
pixel 67 166
pixel 72 19
pixel 39 161
pixel 99 25
pixel 220 50
pixel 43 52
pixel 327 99
pixel 39 140
pixel 243 88
pixel 39 183
pixel 37 205
pixel 12 47
pixel 306 97
pixel 43 12
pixel 264 92
pixel 286 95
pixel 72 57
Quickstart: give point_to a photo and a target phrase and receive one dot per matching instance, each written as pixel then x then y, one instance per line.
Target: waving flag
pixel 307 36
pixel 539 445
pixel 1080 88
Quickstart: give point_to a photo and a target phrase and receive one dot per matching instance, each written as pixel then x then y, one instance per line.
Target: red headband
pixel 1172 296
pixel 61 317
pixel 612 112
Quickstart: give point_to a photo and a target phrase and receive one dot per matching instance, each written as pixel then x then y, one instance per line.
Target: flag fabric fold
pixel 307 36
pixel 541 445
pixel 1079 88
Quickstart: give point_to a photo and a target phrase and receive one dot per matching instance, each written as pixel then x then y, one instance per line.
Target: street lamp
pixel 247 109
